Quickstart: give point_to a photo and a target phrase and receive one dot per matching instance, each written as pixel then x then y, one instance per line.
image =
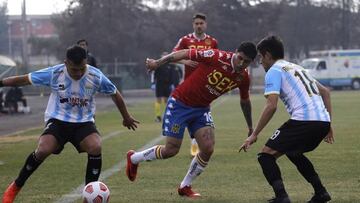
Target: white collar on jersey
pixel 205 36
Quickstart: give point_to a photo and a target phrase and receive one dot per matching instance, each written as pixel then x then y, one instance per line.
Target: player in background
pixel 196 40
pixel 163 79
pixel 69 115
pixel 91 60
pixel 189 106
pixel 309 106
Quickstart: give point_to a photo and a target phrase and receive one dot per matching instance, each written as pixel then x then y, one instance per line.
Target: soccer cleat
pixel 320 198
pixel 10 193
pixel 131 169
pixel 158 119
pixel 194 149
pixel 279 200
pixel 188 192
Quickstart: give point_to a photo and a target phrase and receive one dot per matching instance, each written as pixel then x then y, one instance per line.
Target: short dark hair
pixel 200 16
pixel 272 44
pixel 82 40
pixel 248 48
pixel 76 54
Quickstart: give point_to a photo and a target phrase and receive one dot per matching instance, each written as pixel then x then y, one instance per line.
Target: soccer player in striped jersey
pixel 309 106
pixel 189 107
pixel 196 40
pixel 69 115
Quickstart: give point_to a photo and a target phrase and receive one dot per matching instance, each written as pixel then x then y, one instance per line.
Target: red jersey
pixel 190 41
pixel 213 77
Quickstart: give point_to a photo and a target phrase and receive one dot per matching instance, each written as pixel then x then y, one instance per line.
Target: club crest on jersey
pixel 175 128
pixel 208 53
pixel 208 41
pixel 88 90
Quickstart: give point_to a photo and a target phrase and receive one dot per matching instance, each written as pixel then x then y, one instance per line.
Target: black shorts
pixel 162 90
pixel 295 137
pixel 69 132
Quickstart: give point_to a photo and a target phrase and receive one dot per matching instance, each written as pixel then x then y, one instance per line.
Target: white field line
pixel 76 193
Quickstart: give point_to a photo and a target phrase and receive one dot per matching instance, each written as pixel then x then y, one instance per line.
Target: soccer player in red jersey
pixel 196 40
pixel 189 106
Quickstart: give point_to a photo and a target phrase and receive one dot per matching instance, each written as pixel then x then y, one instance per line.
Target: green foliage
pixel 229 177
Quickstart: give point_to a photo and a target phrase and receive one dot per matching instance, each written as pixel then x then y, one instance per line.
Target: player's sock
pixel 93 168
pixel 197 166
pixel 306 168
pixel 272 173
pixel 157 109
pixel 31 164
pixel 147 155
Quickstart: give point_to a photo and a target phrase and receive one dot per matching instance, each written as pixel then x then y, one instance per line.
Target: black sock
pixel 272 173
pixel 31 164
pixel 306 168
pixel 93 168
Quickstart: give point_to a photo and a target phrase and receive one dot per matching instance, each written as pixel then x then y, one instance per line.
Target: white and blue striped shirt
pixel 72 100
pixel 298 91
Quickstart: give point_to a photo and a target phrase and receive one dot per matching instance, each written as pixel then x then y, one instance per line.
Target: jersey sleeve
pixel 272 82
pixel 41 77
pixel 209 56
pixel 215 44
pixel 180 45
pixel 106 86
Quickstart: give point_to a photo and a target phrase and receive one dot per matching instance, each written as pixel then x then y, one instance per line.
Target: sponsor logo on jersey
pixel 220 82
pixel 209 53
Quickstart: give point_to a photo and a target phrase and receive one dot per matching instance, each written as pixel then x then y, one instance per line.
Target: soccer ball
pixel 96 192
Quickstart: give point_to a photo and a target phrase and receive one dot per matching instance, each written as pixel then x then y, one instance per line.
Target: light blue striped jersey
pixel 298 91
pixel 72 100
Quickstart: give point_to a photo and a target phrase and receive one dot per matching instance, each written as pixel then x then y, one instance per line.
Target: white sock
pixel 196 168
pixel 147 155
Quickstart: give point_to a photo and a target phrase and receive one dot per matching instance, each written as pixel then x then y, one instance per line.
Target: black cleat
pixel 279 200
pixel 320 198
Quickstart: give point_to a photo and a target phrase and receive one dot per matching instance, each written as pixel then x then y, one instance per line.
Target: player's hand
pixel 330 137
pixel 130 123
pixel 151 64
pixel 248 142
pixel 190 63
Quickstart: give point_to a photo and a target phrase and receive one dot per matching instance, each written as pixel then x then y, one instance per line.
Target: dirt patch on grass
pixel 17 138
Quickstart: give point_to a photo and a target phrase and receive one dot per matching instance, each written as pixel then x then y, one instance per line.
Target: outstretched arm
pixel 20 80
pixel 128 121
pixel 152 64
pixel 266 115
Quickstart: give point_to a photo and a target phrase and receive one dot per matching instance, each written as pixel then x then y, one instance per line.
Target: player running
pixel 189 106
pixel 69 115
pixel 308 103
pixel 196 40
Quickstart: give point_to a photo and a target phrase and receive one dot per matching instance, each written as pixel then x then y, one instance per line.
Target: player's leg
pixel 277 145
pixel 47 144
pixel 206 139
pixel 312 135
pixel 86 138
pixel 173 129
pixel 202 129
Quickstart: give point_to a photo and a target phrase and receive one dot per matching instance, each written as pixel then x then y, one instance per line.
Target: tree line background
pixel 131 30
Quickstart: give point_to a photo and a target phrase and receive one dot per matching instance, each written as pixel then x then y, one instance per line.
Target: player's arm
pixel 153 64
pixel 325 95
pixel 246 109
pixel 20 80
pixel 128 121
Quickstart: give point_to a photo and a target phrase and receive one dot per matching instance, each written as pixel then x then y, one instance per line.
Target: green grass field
pixel 229 177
